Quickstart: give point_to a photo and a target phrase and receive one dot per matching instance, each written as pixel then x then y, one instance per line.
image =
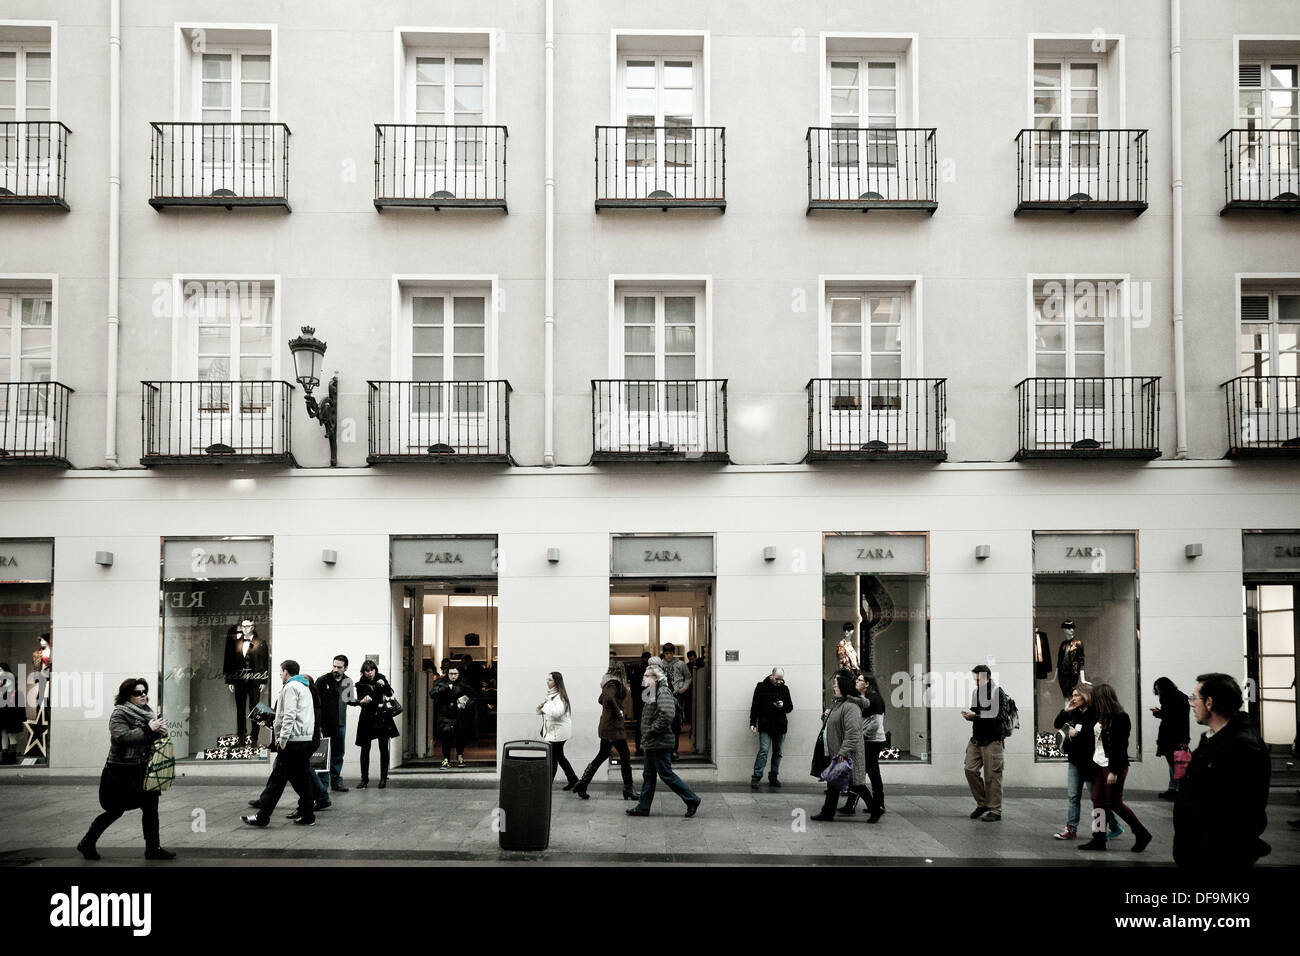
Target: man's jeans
pixel 336 757
pixel 768 742
pixel 278 778
pixel 659 764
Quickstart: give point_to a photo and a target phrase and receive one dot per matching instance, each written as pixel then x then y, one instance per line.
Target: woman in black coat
pixel 452 699
pixel 1175 727
pixel 1113 730
pixel 374 697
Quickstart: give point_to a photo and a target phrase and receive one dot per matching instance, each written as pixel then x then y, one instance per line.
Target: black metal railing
pixel 1081 169
pixel 1110 417
pixel 34 422
pixel 1263 416
pixel 33 163
pixel 872 168
pixel 440 166
pixel 219 164
pixel 877 418
pixel 440 421
pixel 213 421
pixel 661 166
pixel 659 419
pixel 1261 169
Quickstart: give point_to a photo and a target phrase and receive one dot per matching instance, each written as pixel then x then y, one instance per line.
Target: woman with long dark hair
pixel 1175 727
pixel 133 728
pixel 873 742
pixel 842 736
pixel 612 731
pixel 1111 758
pixel 557 725
pixel 374 697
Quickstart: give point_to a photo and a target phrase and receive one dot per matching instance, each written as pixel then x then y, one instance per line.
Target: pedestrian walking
pixel 873 742
pixel 1175 727
pixel 657 742
pixel 133 728
pixel 1077 724
pixel 292 734
pixel 679 681
pixel 612 731
pixel 451 696
pixel 337 692
pixel 984 750
pixel 374 697
pixel 557 726
pixel 276 780
pixel 1219 812
pixel 843 736
pixel 1111 757
pixel 767 718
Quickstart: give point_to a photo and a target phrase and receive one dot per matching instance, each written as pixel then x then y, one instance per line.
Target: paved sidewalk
pixel 421 821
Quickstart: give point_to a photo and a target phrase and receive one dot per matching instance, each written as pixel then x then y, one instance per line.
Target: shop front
pixel 446 589
pixel 661 597
pixel 876 619
pixel 218 666
pixel 26 650
pixel 1271 584
pixel 1086 626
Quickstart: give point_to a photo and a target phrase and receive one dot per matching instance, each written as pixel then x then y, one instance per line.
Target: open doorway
pixel 450 626
pixel 646 616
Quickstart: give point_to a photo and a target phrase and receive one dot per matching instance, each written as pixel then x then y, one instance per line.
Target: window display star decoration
pixel 308 354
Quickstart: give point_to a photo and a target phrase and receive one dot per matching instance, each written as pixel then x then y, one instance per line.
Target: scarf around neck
pixel 141 714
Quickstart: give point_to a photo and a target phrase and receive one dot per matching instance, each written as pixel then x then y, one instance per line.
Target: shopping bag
pixel 162 767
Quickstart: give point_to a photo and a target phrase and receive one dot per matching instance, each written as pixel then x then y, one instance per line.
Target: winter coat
pixel 1079 748
pixel 763 712
pixel 295 718
pixel 131 737
pixel 448 716
pixel 844 735
pixel 1114 741
pixel 986 705
pixel 375 721
pixel 335 695
pixel 613 696
pixel 1069 665
pixel 679 675
pixel 1175 724
pixel 657 719
pixel 1219 811
pixel 557 721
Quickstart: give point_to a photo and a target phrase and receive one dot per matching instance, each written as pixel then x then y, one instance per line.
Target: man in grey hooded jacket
pixel 295 725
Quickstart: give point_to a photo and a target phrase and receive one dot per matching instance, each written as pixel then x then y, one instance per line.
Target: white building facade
pixel 973 334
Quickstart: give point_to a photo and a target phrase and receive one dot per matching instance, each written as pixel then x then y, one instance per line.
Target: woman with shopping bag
pixel 842 736
pixel 134 730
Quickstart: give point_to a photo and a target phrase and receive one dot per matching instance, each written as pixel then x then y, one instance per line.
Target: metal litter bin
pixel 525 798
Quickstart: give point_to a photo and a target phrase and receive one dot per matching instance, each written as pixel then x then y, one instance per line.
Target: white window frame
pixel 910 289
pixel 676 44
pixel 1280 40
pixel 659 294
pixel 34 284
pixel 1065 61
pixel 185 365
pixel 1262 283
pixel 902 48
pixel 1118 327
pixel 192 41
pixel 49 44
pixel 1111 92
pixel 409 42
pixel 405 287
pixel 701 285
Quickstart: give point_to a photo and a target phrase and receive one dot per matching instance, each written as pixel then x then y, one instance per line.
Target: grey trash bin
pixel 525 799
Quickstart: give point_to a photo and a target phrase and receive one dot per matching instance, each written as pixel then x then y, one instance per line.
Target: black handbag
pixel 391 707
pixel 819 759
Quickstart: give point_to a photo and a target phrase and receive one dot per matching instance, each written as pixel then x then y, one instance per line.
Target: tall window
pixel 235 87
pixel 659 335
pixel 1067 100
pixel 447 89
pixel 1269 95
pixel 1270 330
pixel 660 91
pixel 26 95
pixel 26 337
pixel 866 334
pixel 448 344
pixel 233 335
pixel 864 93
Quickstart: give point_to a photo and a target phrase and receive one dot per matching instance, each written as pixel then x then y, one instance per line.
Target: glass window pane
pixel 1046 104
pixel 882 102
pixel 468 339
pixel 639 367
pixel 846 366
pixel 35 342
pixel 8 67
pixel 429 69
pixel 1049 365
pixel 216 66
pixel 214 340
pixel 639 309
pixel 638 338
pixel 35 312
pixel 467 368
pixel 427 309
pixel 255 340
pixel 214 368
pixel 846 310
pixel 679 103
pixel 641 103
pixel 1089 366
pixel 679 74
pixel 886 366
pixel 38 66
pixel 846 338
pixel 426 369
pixel 882 75
pixel 38 97
pixel 679 367
pixel 1049 338
pixel 1252 104
pixel 469 70
pixel 886 310
pixel 886 338
pixel 844 101
pixel 1286 335
pixel 468 310
pixel 256 367
pixel 469 99
pixel 426 341
pixel 216 96
pixel 1280 103
pixel 1083 74
pixel 1090 338
pixel 255 96
pixel 1288 307
pixel 1282 75
pixel 1047 75
pixel 844 73
pixel 641 73
pixel 430 98
pixel 255 67
pixel 679 310
pixel 679 339
pixel 1083 103
pixel 1287 364
pixel 1256 365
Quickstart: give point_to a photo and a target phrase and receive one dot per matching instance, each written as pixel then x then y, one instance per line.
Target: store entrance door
pixel 449 625
pixel 646 615
pixel 1272 633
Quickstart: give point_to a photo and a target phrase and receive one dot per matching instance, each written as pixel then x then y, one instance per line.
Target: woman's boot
pixel 850 805
pixel 1142 836
pixel 1098 842
pixel 581 788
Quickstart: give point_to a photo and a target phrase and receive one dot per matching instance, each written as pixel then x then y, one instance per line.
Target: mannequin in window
pixel 41 672
pixel 1042 655
pixel 1069 659
pixel 247 670
pixel 846 652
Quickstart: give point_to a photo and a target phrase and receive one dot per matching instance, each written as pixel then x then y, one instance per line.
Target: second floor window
pixel 26 96
pixel 1270 329
pixel 659 335
pixel 235 87
pixel 26 337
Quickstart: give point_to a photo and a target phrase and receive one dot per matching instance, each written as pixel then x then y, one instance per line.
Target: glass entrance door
pixel 1271 638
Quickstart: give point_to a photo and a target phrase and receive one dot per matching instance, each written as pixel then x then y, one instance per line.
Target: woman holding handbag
pixel 842 734
pixel 134 729
pixel 1175 728
pixel 557 725
pixel 374 697
pixel 612 731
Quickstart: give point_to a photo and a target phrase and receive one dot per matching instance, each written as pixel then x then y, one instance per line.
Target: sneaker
pixel 992 817
pixel 979 812
pixel 460 761
pixel 338 788
pixel 253 821
pixel 445 763
pixel 322 805
pixel 305 822
pixel 1117 832
pixel 1069 833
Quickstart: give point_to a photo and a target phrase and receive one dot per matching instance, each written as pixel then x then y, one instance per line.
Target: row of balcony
pixel 873 419
pixel 247 164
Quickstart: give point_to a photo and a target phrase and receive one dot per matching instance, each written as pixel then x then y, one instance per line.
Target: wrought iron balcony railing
pixel 1080 169
pixel 213 421
pixel 1110 417
pixel 440 166
pixel 1261 169
pixel 34 423
pixel 659 420
pixel 877 419
pixel 1263 416
pixel 33 163
pixel 661 167
pixel 219 164
pixel 443 422
pixel 865 169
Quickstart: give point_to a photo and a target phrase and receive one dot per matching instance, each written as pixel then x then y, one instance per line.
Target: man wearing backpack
pixel 984 752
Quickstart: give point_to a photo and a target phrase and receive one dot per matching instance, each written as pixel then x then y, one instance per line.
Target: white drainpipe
pixel 114 223
pixel 1176 139
pixel 548 449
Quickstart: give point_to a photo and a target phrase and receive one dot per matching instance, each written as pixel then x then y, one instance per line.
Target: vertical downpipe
pixel 114 224
pixel 548 450
pixel 1176 139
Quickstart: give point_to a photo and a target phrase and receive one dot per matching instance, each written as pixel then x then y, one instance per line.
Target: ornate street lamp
pixel 308 355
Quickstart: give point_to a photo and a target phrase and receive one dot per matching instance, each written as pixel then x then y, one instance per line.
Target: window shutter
pixel 1254 308
pixel 1250 75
